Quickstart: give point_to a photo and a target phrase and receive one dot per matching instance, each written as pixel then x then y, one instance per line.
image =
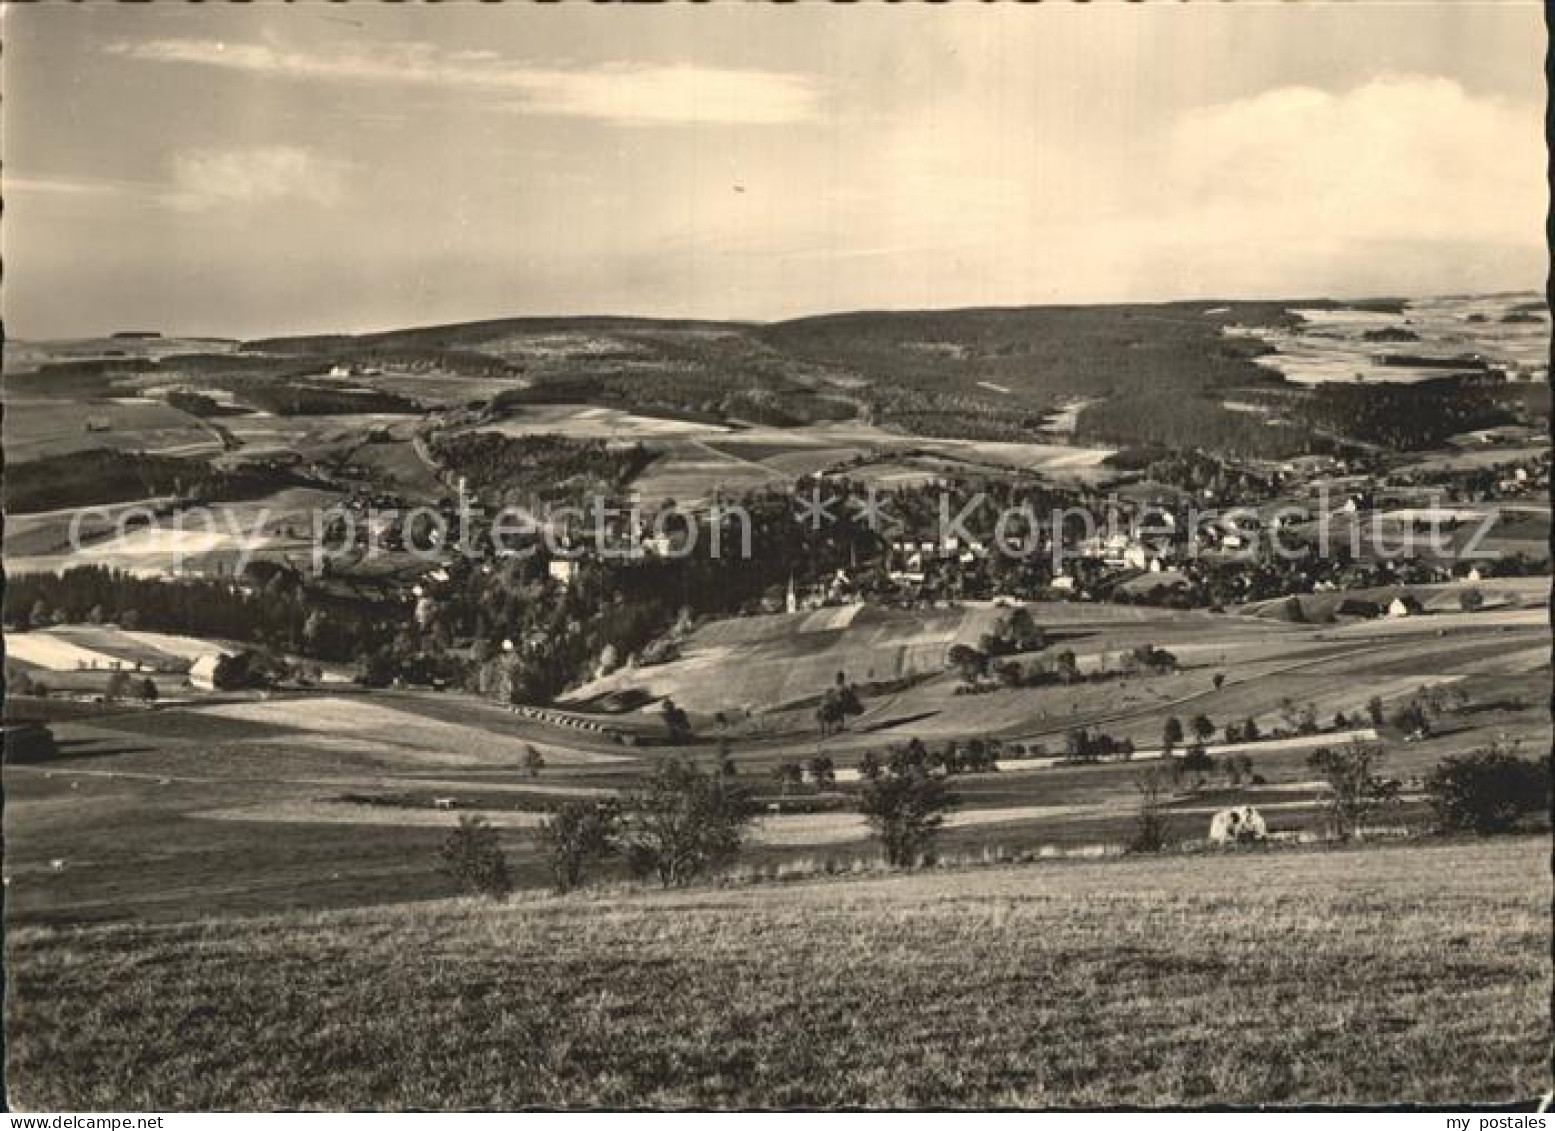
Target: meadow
pixel 1416 973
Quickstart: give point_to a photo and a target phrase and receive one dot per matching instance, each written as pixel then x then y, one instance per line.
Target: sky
pixel 242 170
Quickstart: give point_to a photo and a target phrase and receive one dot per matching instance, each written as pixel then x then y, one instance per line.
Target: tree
pixel 1250 732
pixel 869 767
pixel 534 761
pixel 1356 791
pixel 1471 600
pixel 979 756
pixel 1149 822
pixel 840 701
pixel 377 669
pixel 1203 729
pixel 676 722
pixel 905 810
pixel 788 773
pixel 148 690
pixel 726 766
pixel 577 833
pixel 1197 758
pixel 1489 790
pixel 1374 710
pixel 1171 734
pixel 822 770
pixel 472 857
pixel 968 662
pixel 685 824
pixel 117 688
pixel 1219 680
pixel 1412 719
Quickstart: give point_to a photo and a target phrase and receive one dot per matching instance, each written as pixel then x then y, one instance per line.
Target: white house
pixel 202 673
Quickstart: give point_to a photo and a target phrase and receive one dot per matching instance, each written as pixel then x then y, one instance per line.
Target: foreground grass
pixel 1413 973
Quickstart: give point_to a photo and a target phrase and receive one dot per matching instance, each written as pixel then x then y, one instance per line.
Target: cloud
pixel 1398 158
pixel 618 93
pixel 206 179
pixel 58 186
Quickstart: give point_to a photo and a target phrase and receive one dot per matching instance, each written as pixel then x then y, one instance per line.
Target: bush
pixel 905 807
pixel 473 859
pixel 1488 791
pixel 686 824
pixel 1150 822
pixel 578 832
pixel 1355 790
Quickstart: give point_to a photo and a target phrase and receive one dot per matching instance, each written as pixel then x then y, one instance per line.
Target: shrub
pixel 905 807
pixel 473 859
pixel 1488 791
pixel 578 832
pixel 686 824
pixel 1198 759
pixel 1150 822
pixel 1355 790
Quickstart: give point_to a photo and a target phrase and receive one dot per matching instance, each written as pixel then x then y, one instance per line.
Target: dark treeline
pixel 282 614
pixel 1403 416
pixel 516 468
pixel 292 399
pixel 101 476
pixel 1174 420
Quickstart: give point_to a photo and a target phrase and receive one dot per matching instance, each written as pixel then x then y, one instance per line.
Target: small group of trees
pixel 248 670
pixel 1356 791
pixel 820 770
pixel 1084 745
pixel 677 724
pixel 840 701
pixel 905 803
pixel 1488 791
pixel 1245 731
pixel 682 825
pixel 977 756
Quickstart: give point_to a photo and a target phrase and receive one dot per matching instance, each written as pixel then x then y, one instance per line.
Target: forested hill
pixel 1135 374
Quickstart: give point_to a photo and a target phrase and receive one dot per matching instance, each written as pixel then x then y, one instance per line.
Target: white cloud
pixel 620 93
pixel 206 179
pixel 1399 158
pixel 56 186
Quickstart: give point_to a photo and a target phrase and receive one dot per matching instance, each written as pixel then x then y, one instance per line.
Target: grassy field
pixel 35 428
pixel 1412 974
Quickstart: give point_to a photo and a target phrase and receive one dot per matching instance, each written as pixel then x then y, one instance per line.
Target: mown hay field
pixel 1413 973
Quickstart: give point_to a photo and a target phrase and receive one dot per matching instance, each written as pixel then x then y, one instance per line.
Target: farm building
pixel 202 673
pixel 1405 605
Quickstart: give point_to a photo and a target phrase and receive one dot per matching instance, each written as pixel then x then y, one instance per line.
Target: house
pixel 562 570
pixel 1405 605
pixel 202 673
